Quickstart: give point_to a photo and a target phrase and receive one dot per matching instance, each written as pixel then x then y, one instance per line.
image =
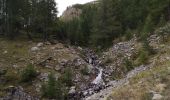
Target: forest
pixel 98 25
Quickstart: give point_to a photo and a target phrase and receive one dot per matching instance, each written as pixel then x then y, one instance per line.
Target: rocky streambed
pixel 99 88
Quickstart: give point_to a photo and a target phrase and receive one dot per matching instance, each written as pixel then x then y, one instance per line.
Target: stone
pixel 168 58
pixel 17 93
pixel 15 66
pixel 72 90
pixel 90 68
pixel 43 77
pixel 40 44
pixel 63 62
pixel 38 87
pixel 57 68
pixel 79 48
pixel 33 49
pixel 90 61
pixel 47 43
pixel 157 97
pixel 5 52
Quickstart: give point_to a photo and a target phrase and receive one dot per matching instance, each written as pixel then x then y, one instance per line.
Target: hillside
pixel 106 75
pixel 102 50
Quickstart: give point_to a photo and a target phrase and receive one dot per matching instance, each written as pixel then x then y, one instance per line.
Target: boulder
pixel 72 90
pixel 33 49
pixel 40 44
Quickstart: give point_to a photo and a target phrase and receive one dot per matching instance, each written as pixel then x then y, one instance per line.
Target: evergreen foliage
pixel 98 25
pixel 52 89
pixel 28 73
pixel 66 78
pixel 101 23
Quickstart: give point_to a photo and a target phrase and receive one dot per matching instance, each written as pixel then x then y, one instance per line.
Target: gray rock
pixel 17 93
pixel 40 44
pixel 157 97
pixel 43 77
pixel 72 90
pixel 33 49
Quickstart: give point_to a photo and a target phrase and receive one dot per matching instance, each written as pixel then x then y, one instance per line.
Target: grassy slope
pixel 157 79
pixel 16 55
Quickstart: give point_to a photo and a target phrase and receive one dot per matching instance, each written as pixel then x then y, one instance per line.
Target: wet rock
pixel 90 68
pixel 99 79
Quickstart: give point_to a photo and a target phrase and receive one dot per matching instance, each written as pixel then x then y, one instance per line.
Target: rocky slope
pixel 95 77
pixel 71 13
pixel 74 11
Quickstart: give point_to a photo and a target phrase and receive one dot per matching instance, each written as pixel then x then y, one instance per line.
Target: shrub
pixel 149 24
pixel 67 77
pixel 52 89
pixel 28 73
pixel 85 71
pixel 163 31
pixel 128 64
pixel 147 96
pixel 147 47
pixel 143 57
pixel 128 34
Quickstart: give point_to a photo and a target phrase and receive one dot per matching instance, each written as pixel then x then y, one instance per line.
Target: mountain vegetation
pixel 98 25
pixel 101 49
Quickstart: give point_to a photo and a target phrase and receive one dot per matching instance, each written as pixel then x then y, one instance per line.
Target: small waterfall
pixel 98 79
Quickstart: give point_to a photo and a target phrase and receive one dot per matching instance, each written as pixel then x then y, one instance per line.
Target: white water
pixel 98 79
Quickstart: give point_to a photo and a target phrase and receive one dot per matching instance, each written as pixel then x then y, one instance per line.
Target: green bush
pixel 85 71
pixel 28 73
pixel 128 64
pixel 147 47
pixel 143 57
pixel 66 78
pixel 163 31
pixel 128 34
pixel 52 89
pixel 149 24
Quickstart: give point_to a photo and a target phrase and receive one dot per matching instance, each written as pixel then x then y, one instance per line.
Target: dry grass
pixel 140 86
